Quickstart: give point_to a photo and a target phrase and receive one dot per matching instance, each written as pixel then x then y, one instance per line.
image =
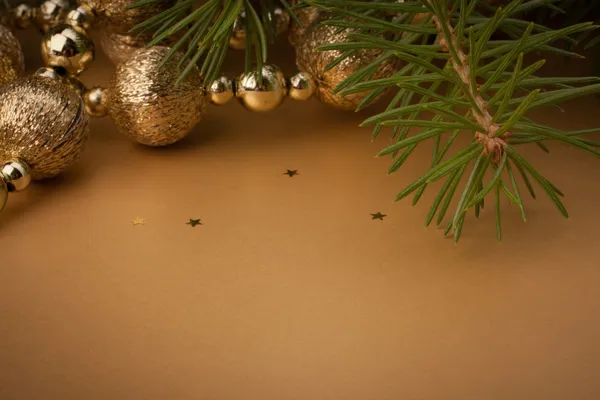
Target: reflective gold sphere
pixel 301 86
pixel 48 72
pixel 75 84
pixel 50 13
pixel 237 40
pixel 145 103
pixel 12 63
pixel 95 102
pixel 82 17
pixel 261 97
pixel 220 91
pixel 280 16
pixel 68 47
pixel 3 194
pixel 43 124
pixel 16 174
pixel 23 15
pixel 112 15
pixel 311 60
pixel 120 47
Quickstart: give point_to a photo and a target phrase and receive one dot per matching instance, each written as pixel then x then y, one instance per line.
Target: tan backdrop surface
pixel 289 290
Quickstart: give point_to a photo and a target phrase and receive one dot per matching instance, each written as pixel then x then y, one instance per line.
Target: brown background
pixel 289 290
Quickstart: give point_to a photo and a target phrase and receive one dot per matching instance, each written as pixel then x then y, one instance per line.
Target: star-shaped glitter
pixel 378 215
pixel 291 172
pixel 138 221
pixel 194 222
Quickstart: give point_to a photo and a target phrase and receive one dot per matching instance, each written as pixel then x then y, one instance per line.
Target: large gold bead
pixel 145 103
pixel 82 17
pixel 50 13
pixel 12 64
pixel 68 47
pixel 311 60
pixel 95 102
pixel 113 15
pixel 263 97
pixel 42 124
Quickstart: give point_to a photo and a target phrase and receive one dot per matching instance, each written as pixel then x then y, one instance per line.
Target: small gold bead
pixel 50 14
pixel 16 174
pixel 75 84
pixel 23 15
pixel 265 97
pixel 220 91
pixel 3 193
pixel 237 40
pixel 95 102
pixel 68 47
pixel 48 72
pixel 301 86
pixel 82 17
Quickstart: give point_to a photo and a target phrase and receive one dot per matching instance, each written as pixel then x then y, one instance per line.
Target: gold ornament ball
pixel 120 47
pixel 237 40
pixel 82 17
pixel 74 84
pixel 12 63
pixel 279 16
pixel 23 15
pixel 145 103
pixel 50 14
pixel 263 97
pixel 68 47
pixel 42 124
pixel 114 17
pixel 306 15
pixel 48 72
pixel 301 86
pixel 95 102
pixel 220 91
pixel 313 61
pixel 16 175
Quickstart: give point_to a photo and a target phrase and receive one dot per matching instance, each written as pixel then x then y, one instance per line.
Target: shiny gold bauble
pixel 120 47
pixel 48 72
pixel 220 91
pixel 50 13
pixel 68 47
pixel 237 40
pixel 306 15
pixel 145 103
pixel 263 97
pixel 23 15
pixel 311 60
pixel 42 124
pixel 112 15
pixel 3 193
pixel 12 63
pixel 301 86
pixel 74 84
pixel 95 102
pixel 16 174
pixel 82 17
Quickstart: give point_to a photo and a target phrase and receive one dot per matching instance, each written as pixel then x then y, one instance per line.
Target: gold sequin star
pixel 194 222
pixel 291 172
pixel 138 221
pixel 378 215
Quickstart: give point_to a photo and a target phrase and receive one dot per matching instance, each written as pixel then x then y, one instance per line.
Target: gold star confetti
pixel 138 221
pixel 194 222
pixel 378 215
pixel 291 172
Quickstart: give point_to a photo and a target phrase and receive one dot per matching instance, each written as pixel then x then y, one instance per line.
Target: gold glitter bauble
pixel 12 63
pixel 311 60
pixel 145 103
pixel 120 47
pixel 113 15
pixel 263 97
pixel 43 124
pixel 50 14
pixel 68 47
pixel 95 102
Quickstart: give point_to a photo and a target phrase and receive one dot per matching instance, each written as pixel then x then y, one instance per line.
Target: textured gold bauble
pixel 43 124
pixel 120 47
pixel 301 86
pixel 114 17
pixel 68 47
pixel 50 13
pixel 16 174
pixel 82 17
pixel 145 103
pixel 220 91
pixel 3 193
pixel 95 102
pixel 265 96
pixel 12 64
pixel 309 59
pixel 23 15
